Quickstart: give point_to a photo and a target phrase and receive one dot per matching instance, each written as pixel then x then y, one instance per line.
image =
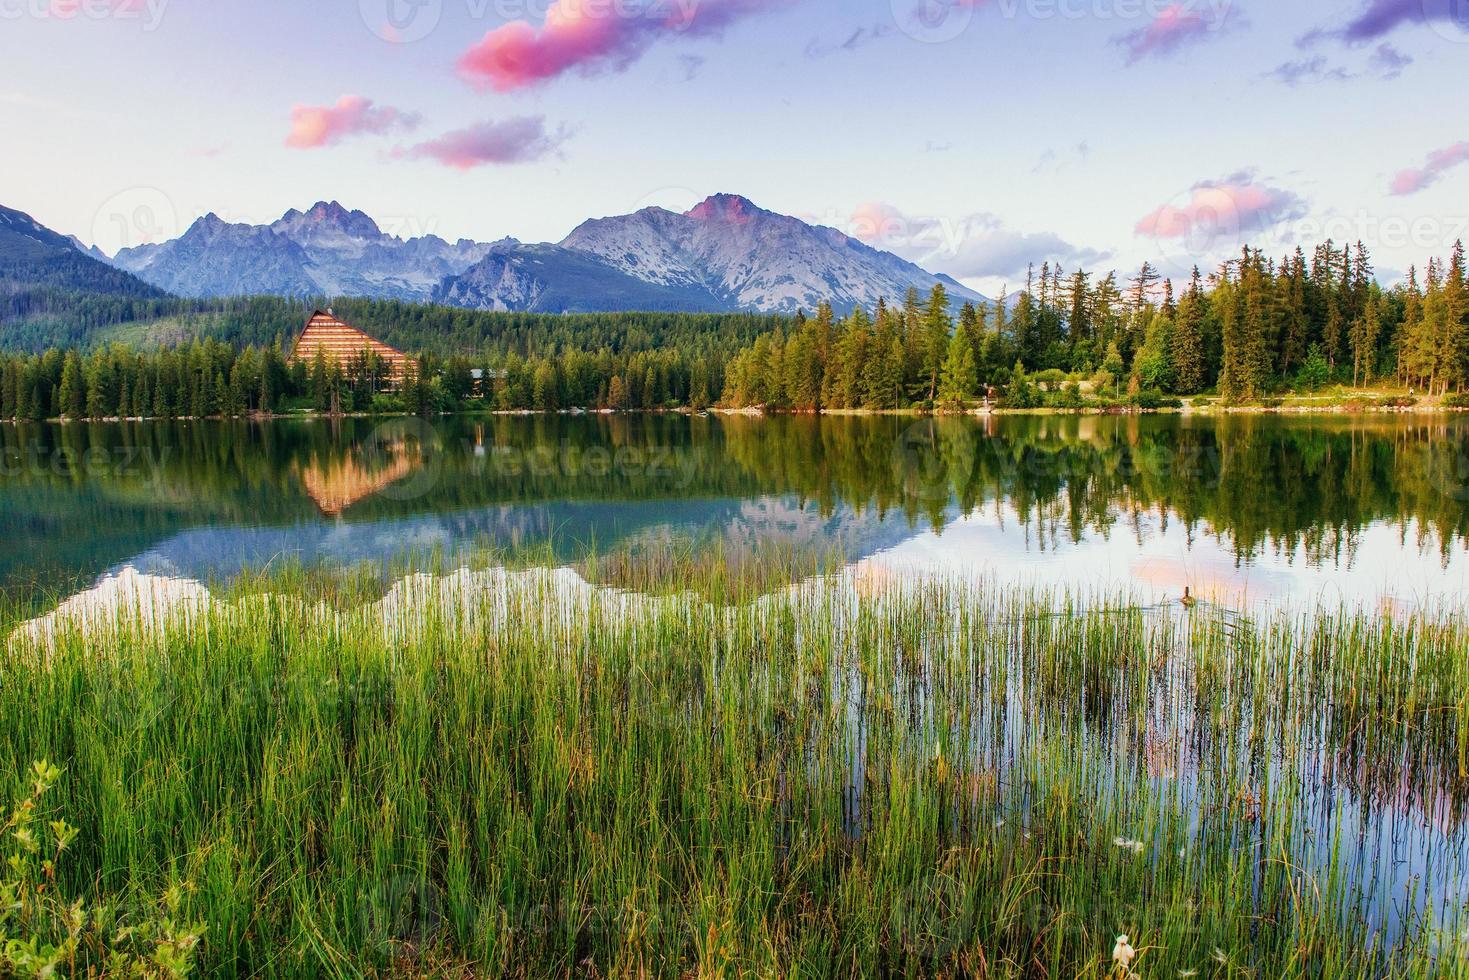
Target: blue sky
pixel 970 135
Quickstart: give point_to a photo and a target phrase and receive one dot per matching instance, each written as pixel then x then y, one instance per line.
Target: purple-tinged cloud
pixel 1176 26
pixel 1294 73
pixel 592 38
pixel 1380 18
pixel 1439 162
pixel 313 127
pixel 1239 204
pixel 976 246
pixel 1384 16
pixel 1388 62
pixel 522 139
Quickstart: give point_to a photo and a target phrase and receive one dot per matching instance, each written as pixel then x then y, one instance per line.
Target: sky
pixel 971 136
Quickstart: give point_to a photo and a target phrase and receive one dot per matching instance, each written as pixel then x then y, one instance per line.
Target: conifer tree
pixel 73 397
pixel 1188 340
pixel 959 381
pixel 1366 330
pixel 936 329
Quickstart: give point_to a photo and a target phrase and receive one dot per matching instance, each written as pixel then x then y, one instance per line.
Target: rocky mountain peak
pixel 729 208
pixel 726 253
pixel 327 218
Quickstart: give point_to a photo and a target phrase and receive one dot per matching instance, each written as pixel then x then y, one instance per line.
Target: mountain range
pixel 34 259
pixel 726 254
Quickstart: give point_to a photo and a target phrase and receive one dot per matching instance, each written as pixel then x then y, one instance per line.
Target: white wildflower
pixel 1123 953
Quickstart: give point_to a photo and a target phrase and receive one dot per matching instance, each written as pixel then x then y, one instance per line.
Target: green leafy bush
pixel 1315 372
pixel 1021 393
pixel 387 404
pixel 1152 400
pixel 42 934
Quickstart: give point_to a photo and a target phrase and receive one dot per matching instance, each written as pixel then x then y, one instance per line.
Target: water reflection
pixel 1236 508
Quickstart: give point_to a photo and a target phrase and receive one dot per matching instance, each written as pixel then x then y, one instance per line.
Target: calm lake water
pixel 1240 509
pixel 1246 511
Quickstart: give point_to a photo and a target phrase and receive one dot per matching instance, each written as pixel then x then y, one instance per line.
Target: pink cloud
pixel 313 127
pixel 1175 26
pixel 1223 209
pixel 1413 180
pixel 591 38
pixel 974 246
pixel 519 140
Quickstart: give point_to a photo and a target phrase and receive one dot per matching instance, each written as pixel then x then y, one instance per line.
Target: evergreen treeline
pixel 35 319
pixel 60 299
pixel 209 378
pixel 1252 328
pixel 228 357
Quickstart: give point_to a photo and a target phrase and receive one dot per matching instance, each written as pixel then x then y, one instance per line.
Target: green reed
pixel 511 775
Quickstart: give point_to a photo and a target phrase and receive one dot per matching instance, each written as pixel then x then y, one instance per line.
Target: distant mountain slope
pixel 52 293
pixel 324 251
pixel 33 257
pixel 552 279
pixel 751 258
pixel 24 239
pixel 726 255
pixel 215 258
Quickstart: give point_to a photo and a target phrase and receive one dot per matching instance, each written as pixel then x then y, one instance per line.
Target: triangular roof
pixel 340 341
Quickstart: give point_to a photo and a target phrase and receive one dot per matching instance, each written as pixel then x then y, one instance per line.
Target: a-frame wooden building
pixel 340 343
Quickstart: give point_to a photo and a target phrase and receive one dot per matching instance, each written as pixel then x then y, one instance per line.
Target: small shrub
pixel 1070 396
pixel 42 934
pixel 1315 372
pixel 1456 400
pixel 1021 393
pixel 387 404
pixel 1151 400
pixel 1050 379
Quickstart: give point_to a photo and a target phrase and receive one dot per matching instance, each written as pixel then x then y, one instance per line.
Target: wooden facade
pixel 340 343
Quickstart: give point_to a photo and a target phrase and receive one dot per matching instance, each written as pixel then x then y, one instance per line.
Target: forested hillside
pixel 231 359
pixel 52 293
pixel 1252 328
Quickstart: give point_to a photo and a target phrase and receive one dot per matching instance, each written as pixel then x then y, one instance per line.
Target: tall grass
pixel 504 774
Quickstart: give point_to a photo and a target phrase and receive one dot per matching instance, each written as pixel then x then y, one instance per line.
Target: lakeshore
pixel 677 693
pixel 491 772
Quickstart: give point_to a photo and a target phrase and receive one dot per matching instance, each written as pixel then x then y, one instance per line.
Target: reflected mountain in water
pixel 569 531
pixel 1232 505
